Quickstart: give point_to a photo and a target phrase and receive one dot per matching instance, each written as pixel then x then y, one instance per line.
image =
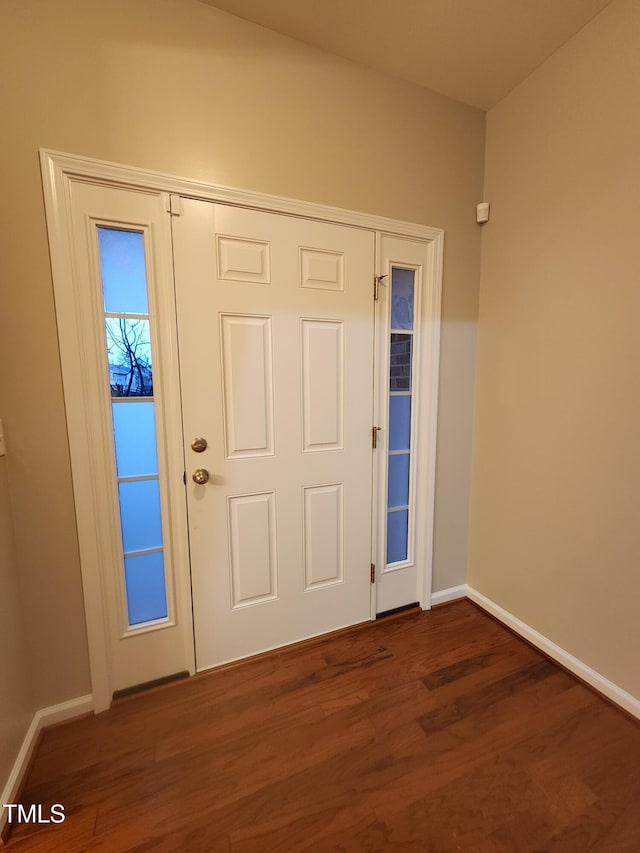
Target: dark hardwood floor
pixel 436 731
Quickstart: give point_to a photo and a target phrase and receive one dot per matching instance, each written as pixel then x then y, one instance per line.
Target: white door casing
pixel 91 453
pixel 275 319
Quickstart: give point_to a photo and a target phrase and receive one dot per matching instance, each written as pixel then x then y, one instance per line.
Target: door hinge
pixel 184 478
pixel 373 572
pixel 376 286
pixel 374 436
pixel 175 205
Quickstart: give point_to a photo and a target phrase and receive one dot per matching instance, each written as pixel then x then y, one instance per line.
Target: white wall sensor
pixel 482 212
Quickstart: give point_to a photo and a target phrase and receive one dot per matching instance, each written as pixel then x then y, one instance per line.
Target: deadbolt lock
pixel 200 476
pixel 199 444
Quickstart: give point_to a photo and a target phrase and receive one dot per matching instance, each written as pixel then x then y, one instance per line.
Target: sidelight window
pixel 130 379
pixel 401 354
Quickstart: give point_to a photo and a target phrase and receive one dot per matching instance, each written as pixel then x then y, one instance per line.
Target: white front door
pixel 276 330
pixel 276 345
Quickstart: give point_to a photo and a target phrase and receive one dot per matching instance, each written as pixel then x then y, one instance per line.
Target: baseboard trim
pixel 602 685
pixel 42 719
pixel 451 594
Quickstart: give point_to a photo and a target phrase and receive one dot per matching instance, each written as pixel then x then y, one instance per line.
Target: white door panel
pixel 275 319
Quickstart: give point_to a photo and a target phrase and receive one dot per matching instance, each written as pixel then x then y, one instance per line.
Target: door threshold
pixel 149 685
pixel 395 611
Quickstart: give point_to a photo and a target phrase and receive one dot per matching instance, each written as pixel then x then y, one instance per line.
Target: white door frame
pixel 59 171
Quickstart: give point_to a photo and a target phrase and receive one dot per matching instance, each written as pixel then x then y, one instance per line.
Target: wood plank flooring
pixel 436 731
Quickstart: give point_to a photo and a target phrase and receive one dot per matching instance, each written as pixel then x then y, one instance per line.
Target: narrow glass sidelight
pixel 401 355
pixel 130 386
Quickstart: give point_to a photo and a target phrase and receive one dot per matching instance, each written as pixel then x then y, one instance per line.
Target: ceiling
pixel 475 51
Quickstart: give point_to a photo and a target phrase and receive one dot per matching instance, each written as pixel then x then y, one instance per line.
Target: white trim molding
pixel 434 325
pixel 58 166
pixel 42 720
pixel 607 688
pixel 453 593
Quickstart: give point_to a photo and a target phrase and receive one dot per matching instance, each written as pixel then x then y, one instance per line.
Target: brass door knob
pixel 200 476
pixel 199 444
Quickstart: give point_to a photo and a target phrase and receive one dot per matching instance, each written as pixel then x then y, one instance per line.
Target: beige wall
pixel 16 701
pixel 555 537
pixel 176 86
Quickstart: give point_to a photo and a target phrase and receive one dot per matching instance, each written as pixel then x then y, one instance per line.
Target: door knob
pixel 199 444
pixel 200 476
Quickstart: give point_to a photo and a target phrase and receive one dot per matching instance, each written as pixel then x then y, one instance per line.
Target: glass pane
pixel 398 486
pixel 400 368
pixel 140 515
pixel 402 282
pixel 397 535
pixel 129 356
pixel 124 279
pixel 146 593
pixel 399 423
pixel 134 427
